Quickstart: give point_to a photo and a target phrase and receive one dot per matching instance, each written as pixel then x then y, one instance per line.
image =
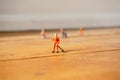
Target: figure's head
pixel 80 28
pixel 61 30
pixel 42 30
pixel 55 35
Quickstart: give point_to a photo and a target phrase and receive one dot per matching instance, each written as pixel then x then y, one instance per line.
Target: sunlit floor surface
pixel 93 56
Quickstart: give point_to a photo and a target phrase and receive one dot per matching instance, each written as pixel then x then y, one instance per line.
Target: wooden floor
pixel 93 56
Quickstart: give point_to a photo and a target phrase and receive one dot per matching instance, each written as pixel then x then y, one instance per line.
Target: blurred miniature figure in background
pixel 43 35
pixel 81 32
pixel 56 41
pixel 63 34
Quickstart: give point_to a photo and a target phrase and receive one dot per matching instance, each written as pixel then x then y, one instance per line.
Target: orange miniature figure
pixel 81 31
pixel 56 41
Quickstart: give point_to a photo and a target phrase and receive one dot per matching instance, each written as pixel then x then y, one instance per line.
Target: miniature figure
pixel 63 34
pixel 43 35
pixel 81 31
pixel 56 41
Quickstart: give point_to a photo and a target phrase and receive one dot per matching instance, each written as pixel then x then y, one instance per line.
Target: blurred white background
pixel 38 14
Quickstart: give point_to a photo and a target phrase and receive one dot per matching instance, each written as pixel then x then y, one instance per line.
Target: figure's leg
pixel 57 48
pixel 62 35
pixel 44 36
pixel 53 48
pixel 65 35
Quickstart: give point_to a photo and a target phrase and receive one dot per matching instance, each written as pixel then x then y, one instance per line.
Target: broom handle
pixel 60 48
